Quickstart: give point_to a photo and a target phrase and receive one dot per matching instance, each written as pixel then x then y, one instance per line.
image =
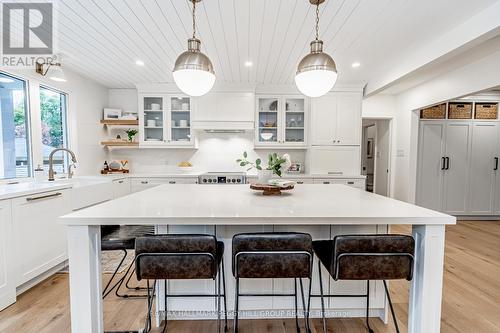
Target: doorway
pixel 376 155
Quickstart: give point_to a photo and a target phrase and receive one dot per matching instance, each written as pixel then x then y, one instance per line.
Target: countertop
pixel 238 205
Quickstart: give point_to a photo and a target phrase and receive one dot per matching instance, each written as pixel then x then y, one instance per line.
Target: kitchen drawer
pixel 357 183
pixel 140 184
pixel 121 187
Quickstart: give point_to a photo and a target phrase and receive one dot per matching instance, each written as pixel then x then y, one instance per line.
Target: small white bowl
pixel 266 136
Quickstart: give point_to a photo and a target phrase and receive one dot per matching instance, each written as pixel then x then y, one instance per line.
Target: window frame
pixel 29 134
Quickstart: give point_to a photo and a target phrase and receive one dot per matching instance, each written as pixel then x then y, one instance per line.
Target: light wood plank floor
pixel 471 296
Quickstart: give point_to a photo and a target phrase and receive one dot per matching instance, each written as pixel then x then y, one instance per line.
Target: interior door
pixel 457 166
pixel 430 157
pixel 482 167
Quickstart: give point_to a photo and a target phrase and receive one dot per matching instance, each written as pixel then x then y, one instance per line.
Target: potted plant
pixel 131 133
pixel 275 165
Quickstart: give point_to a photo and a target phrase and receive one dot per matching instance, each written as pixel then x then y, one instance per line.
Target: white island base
pixel 322 211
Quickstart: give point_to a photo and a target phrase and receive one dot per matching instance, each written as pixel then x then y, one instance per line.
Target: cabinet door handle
pixel 326 183
pixel 120 182
pixel 144 182
pixel 300 182
pixel 443 163
pixel 350 183
pixel 53 195
pixel 335 172
pixel 496 164
pixel 447 163
pixel 171 182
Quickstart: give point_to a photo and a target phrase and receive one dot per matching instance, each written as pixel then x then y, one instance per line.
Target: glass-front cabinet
pixel 165 120
pixel 281 121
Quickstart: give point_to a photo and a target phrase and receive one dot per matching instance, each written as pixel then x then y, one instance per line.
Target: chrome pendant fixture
pixel 317 73
pixel 193 71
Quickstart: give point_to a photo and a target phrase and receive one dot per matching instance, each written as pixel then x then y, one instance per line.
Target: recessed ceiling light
pixel 139 63
pixel 248 63
pixel 355 65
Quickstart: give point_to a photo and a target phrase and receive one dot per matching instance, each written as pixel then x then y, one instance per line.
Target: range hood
pixel 225 113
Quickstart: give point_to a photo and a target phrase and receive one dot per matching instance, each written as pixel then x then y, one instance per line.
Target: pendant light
pixel 317 73
pixel 193 71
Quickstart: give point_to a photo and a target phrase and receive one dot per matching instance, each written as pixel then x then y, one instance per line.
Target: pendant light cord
pixel 194 19
pixel 317 20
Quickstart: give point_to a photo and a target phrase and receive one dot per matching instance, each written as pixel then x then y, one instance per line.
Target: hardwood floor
pixel 471 296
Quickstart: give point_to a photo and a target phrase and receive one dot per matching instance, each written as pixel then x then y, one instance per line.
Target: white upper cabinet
pixel 165 120
pixel 336 119
pixel 281 121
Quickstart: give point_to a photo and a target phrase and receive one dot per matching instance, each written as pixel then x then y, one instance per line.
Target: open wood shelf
pixel 120 144
pixel 110 122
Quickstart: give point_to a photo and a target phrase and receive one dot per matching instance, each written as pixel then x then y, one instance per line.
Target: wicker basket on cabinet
pixel 434 112
pixel 460 111
pixel 486 111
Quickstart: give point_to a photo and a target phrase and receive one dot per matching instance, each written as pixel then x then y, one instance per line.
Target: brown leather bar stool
pixel 186 257
pixel 272 255
pixel 365 257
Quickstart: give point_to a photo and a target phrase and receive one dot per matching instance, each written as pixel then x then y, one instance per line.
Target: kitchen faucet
pixel 51 162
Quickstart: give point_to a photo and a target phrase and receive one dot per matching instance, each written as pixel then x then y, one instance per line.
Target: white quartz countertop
pixel 238 204
pixel 196 174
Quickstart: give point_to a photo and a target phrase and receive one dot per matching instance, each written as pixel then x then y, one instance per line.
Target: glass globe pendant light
pixel 317 73
pixel 193 71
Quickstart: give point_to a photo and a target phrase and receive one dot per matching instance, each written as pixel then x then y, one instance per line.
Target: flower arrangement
pixel 276 164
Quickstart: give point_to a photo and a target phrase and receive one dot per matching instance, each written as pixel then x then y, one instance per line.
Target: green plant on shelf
pixel 131 133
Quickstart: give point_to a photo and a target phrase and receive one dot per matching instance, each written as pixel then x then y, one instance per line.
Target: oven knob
pixel 210 180
pixel 204 180
pixel 238 180
pixel 233 180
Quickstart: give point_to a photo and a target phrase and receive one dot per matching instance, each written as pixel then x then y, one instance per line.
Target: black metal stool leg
pixel 236 310
pixel 392 308
pixel 151 296
pixel 106 292
pixel 368 306
pixel 217 279
pixel 309 306
pixel 166 306
pixel 322 298
pixel 224 293
pixel 306 316
pixel 296 305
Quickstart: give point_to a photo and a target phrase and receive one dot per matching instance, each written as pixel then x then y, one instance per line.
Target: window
pixel 15 155
pixel 54 130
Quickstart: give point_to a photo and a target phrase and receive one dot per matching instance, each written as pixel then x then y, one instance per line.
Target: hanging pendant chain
pixel 317 20
pixel 194 19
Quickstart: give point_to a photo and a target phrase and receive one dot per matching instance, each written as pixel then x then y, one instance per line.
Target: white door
pixel 7 283
pixel 430 165
pixel 496 190
pixel 382 157
pixel 348 122
pixel 482 167
pixel 323 120
pixel 457 167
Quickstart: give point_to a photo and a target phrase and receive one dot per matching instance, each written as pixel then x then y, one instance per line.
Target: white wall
pixel 86 99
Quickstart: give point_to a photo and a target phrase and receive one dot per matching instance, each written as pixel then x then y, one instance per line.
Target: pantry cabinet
pixel 7 274
pixel 165 120
pixel 281 121
pixel 39 240
pixel 458 165
pixel 336 119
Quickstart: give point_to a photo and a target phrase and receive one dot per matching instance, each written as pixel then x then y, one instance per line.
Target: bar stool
pixel 272 255
pixel 182 256
pixel 121 238
pixel 365 257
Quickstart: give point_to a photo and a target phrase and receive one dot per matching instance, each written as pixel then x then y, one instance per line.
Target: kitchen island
pixel 322 211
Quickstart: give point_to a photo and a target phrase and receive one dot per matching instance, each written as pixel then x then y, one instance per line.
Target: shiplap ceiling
pixel 102 39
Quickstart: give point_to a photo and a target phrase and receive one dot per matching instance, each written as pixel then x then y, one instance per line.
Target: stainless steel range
pixel 222 178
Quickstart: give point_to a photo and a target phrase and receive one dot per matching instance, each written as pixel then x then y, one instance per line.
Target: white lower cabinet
pixel 140 184
pixel 121 187
pixel 7 274
pixel 39 240
pixel 357 183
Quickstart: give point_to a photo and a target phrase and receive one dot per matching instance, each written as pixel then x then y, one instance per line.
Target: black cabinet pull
pixel 447 163
pixel 443 163
pixel 496 164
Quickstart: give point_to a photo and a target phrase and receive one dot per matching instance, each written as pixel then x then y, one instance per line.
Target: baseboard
pixel 36 280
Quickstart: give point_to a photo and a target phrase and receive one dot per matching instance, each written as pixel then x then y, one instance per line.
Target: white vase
pixel 264 176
